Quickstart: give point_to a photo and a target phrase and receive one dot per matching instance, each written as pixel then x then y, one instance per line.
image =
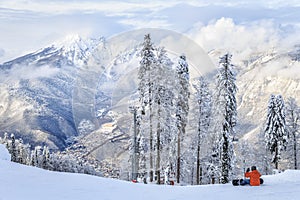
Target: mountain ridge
pixel 42 82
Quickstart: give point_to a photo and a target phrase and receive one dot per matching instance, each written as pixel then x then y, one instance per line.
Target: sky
pixel 28 25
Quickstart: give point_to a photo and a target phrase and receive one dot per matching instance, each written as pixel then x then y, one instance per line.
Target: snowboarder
pixel 254 176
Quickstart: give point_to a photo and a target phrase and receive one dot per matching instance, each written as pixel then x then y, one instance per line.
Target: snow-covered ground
pixel 19 182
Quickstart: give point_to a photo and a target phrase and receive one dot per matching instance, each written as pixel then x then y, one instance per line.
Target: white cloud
pixel 141 23
pixel 87 7
pixel 29 72
pixel 234 3
pixel 28 25
pixel 243 39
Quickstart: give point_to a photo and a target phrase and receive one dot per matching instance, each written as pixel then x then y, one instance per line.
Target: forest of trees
pixel 42 158
pixel 164 98
pixel 167 100
pixel 184 129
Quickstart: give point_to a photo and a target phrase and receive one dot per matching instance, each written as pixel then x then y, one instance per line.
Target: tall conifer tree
pixel 275 131
pixel 182 106
pixel 13 148
pixel 203 97
pixel 145 89
pixel 227 89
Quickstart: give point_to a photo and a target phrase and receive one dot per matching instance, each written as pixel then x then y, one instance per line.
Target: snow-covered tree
pixel 226 100
pixel 188 160
pixel 167 175
pixel 55 161
pixel 204 101
pixel 163 94
pixel 213 162
pixel 182 106
pixel 143 148
pixel 145 88
pixel 45 163
pixel 139 145
pixel 13 148
pixel 19 152
pixel 156 96
pixel 35 157
pixel 293 125
pixel 23 152
pixel 275 130
pixel 5 140
pixel 166 109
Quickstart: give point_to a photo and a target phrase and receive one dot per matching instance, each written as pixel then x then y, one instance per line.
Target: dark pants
pixel 245 181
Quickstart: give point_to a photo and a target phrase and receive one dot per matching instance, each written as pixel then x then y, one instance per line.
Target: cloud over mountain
pixel 30 25
pixel 244 39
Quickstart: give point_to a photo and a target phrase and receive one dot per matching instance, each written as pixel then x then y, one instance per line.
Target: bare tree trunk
pixel 295 151
pixel 178 154
pixel 198 156
pixel 200 175
pixel 276 157
pixel 158 146
pixel 135 161
pixel 225 157
pixel 151 146
pixel 198 164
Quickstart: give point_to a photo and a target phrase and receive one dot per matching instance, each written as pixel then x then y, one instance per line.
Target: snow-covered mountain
pixel 36 92
pixel 46 96
pixel 262 75
pixel 258 76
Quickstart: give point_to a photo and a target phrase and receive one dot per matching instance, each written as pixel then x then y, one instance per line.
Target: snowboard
pixel 237 182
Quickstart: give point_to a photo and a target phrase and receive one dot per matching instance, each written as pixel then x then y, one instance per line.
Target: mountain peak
pixel 76 48
pixel 69 40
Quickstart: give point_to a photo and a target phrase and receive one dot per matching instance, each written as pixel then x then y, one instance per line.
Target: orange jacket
pixel 254 177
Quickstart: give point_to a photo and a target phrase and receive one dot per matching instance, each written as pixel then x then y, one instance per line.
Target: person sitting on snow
pixel 254 176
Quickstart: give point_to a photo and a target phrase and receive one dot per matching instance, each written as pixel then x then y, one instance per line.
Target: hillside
pixel 19 182
pixel 62 94
pixel 36 93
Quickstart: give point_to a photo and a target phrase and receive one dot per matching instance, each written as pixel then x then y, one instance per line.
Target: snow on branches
pixel 275 130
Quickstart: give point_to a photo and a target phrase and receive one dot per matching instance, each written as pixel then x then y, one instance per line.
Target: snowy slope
pixel 19 182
